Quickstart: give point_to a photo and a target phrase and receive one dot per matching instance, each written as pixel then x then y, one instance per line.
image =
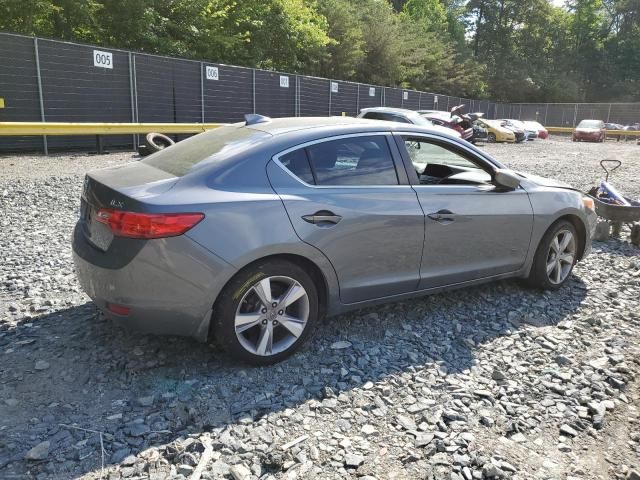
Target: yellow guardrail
pixel 65 128
pixel 631 133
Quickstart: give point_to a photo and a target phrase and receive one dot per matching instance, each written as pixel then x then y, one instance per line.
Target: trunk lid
pixel 122 188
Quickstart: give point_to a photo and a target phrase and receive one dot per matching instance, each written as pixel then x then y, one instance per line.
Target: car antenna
pixel 253 118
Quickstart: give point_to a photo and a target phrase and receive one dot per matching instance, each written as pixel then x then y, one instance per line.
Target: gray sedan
pixel 251 233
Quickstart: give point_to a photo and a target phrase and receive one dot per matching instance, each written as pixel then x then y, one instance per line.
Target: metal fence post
pixel 134 138
pixel 135 93
pixel 40 95
pixel 330 96
pixel 575 114
pixel 253 70
pixel 358 101
pixel 202 92
pixel 546 110
pixel 419 100
pixel 296 100
pixel 609 113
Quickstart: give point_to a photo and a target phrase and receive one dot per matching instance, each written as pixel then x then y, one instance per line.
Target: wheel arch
pixel 580 227
pixel 311 267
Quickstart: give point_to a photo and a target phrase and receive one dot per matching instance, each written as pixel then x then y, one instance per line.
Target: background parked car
pixel 589 131
pixel 446 119
pixel 614 127
pixel 518 130
pixel 543 133
pixel 480 134
pixel 496 132
pixel 529 133
pixel 401 115
pixel 631 127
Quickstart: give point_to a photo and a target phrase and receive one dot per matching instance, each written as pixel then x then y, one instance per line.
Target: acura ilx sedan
pixel 251 233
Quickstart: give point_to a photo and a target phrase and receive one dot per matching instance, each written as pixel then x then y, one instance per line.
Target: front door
pixel 346 197
pixel 473 229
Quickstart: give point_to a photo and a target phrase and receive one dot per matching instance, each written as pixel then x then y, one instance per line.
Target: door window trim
pixel 458 148
pixel 396 158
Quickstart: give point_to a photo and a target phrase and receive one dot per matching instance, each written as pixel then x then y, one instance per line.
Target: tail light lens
pixel 147 225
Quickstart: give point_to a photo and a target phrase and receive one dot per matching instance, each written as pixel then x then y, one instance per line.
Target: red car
pixel 589 131
pixel 453 120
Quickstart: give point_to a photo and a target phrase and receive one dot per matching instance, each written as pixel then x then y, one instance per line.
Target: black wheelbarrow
pixel 615 216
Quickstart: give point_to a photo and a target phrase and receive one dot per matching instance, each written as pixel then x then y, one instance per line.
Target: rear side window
pixel 213 146
pixel 347 161
pixel 298 164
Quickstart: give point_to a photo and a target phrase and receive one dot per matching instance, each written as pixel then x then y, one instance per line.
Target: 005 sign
pixel 102 59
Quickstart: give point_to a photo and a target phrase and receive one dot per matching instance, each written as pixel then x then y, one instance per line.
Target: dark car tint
pixel 348 161
pixel 298 164
pixel 213 146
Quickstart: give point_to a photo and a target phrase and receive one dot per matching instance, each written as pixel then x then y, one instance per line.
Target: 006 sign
pixel 102 59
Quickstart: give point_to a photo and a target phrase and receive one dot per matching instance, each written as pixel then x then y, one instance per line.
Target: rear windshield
pixel 213 146
pixel 590 124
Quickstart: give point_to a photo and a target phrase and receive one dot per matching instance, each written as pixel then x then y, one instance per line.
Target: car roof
pixel 396 110
pixel 438 114
pixel 340 125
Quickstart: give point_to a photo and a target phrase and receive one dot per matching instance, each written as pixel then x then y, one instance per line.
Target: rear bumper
pixel 587 137
pixel 169 284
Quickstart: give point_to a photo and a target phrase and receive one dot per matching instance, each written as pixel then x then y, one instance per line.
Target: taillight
pixel 147 225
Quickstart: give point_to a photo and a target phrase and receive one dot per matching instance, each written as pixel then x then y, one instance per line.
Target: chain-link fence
pixel 570 114
pixel 49 80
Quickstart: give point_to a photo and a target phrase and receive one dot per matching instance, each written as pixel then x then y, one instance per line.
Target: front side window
pixel 438 164
pixel 361 161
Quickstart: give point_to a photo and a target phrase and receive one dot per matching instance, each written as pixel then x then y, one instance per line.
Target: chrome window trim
pixel 387 134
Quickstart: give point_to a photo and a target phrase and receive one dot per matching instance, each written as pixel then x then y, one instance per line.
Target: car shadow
pixel 74 379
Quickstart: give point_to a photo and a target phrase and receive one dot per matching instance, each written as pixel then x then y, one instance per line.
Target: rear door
pixel 473 229
pixel 347 197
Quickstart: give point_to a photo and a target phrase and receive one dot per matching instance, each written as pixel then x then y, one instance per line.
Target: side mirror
pixel 506 179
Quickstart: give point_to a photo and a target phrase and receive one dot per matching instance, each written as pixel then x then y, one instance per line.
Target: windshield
pixel 590 124
pixel 213 146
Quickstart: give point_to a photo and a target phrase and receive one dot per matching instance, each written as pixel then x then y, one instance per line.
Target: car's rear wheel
pixel 266 312
pixel 555 257
pixel 491 138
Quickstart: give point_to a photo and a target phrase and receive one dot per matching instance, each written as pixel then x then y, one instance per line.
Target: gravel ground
pixel 492 382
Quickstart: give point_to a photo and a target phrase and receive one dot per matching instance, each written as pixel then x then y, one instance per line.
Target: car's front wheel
pixel 491 138
pixel 266 312
pixel 555 257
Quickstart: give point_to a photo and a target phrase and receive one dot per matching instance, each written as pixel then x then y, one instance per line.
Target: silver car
pixel 251 233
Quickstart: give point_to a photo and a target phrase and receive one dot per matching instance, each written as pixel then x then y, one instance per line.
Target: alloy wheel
pixel 561 256
pixel 272 315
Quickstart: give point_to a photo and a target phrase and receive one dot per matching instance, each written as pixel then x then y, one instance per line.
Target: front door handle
pixel 442 216
pixel 322 218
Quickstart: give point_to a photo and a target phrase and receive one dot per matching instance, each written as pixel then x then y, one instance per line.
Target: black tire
pixel 491 138
pixel 157 141
pixel 538 276
pixel 223 327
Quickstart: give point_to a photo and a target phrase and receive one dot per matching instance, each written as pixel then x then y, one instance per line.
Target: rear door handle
pixel 322 217
pixel 442 216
